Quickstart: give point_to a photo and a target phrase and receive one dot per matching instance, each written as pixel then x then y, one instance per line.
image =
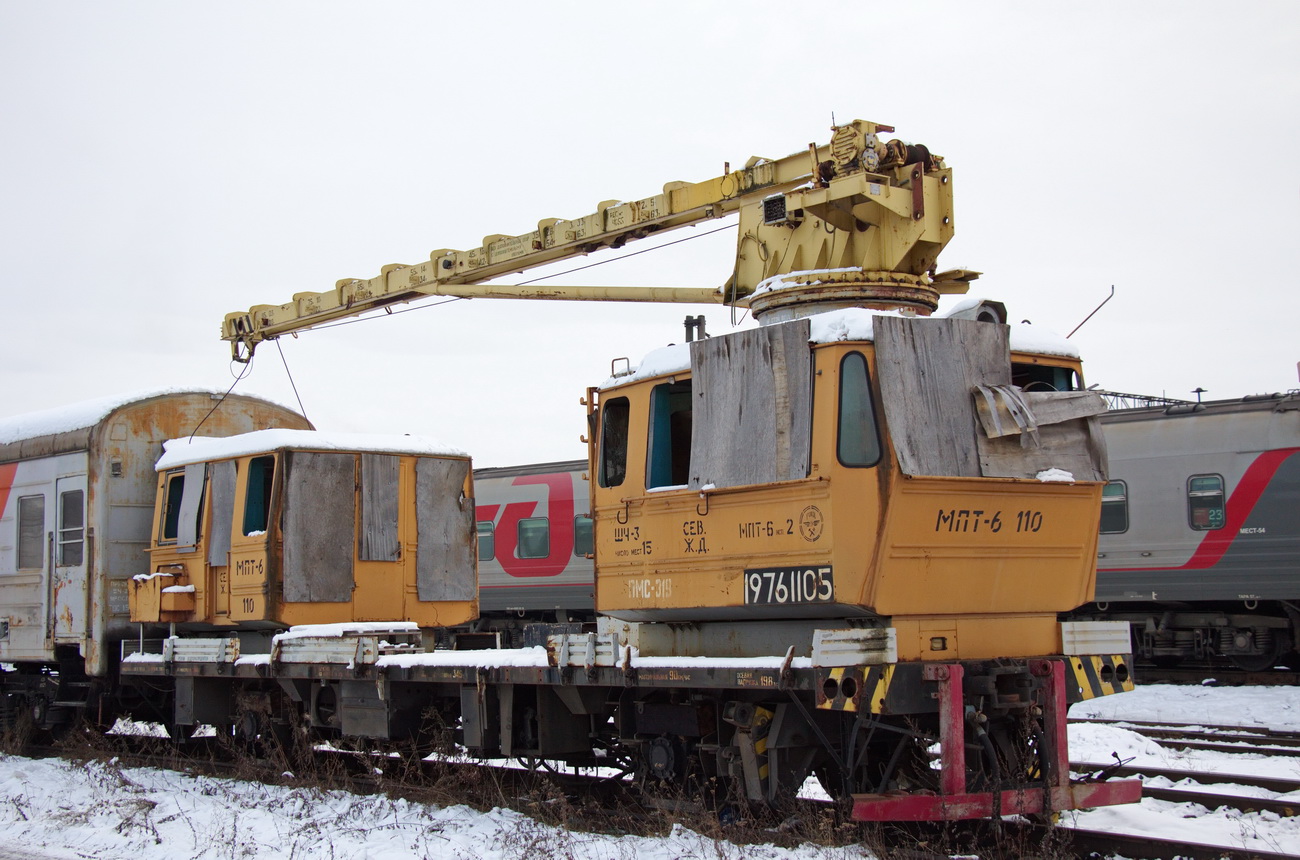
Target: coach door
pixel 71 556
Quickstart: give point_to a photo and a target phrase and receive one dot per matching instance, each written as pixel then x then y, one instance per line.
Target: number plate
pixel 777 585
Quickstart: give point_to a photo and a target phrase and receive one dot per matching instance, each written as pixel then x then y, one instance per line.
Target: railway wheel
pixel 1267 648
pixel 1255 662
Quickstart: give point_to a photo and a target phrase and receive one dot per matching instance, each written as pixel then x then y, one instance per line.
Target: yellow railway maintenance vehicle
pixel 829 545
pixel 278 528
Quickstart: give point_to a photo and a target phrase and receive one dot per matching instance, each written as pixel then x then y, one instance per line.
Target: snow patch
pixel 198 449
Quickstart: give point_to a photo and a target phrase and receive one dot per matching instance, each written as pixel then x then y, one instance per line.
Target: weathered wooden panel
pixel 1072 446
pixel 752 406
pixel 379 507
pixel 927 370
pixel 223 512
pixel 187 527
pixel 1006 410
pixel 319 527
pixel 444 558
pixel 1027 432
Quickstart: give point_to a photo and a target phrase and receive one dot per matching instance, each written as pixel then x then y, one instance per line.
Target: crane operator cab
pixel 277 528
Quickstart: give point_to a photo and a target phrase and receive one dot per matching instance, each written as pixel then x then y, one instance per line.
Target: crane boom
pixel 878 212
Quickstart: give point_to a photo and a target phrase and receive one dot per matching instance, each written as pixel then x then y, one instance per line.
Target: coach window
pixel 175 490
pixel 1114 508
pixel 534 537
pixel 31 532
pixel 257 496
pixel 858 442
pixel 669 462
pixel 613 442
pixel 1205 510
pixel 72 527
pixel 583 542
pixel 487 540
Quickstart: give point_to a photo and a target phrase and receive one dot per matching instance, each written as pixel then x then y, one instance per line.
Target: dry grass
pixel 561 811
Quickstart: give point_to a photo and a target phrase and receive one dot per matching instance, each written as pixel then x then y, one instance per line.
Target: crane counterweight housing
pixel 828 545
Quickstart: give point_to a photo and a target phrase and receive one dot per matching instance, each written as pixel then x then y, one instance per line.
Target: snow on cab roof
pixel 88 413
pixel 198 449
pixel 854 324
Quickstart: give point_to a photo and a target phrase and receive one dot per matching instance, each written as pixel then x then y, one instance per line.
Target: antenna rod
pixel 1094 310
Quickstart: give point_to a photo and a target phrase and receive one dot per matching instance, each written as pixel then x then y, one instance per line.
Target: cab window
pixel 669 461
pixel 1044 377
pixel 858 439
pixel 613 442
pixel 175 490
pixel 257 498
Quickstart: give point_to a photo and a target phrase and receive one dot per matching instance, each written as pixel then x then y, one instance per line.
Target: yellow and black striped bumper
pixel 1096 675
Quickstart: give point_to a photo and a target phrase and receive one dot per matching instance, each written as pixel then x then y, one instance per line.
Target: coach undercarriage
pixel 907 741
pixel 1253 635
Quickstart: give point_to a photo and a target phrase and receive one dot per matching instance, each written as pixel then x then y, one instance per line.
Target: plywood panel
pixel 752 394
pixel 319 527
pixel 379 506
pixel 223 512
pixel 927 369
pixel 445 567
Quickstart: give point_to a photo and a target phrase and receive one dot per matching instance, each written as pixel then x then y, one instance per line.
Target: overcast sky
pixel 163 164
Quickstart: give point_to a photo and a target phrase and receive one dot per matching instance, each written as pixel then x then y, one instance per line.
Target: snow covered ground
pixel 57 809
pixel 1269 707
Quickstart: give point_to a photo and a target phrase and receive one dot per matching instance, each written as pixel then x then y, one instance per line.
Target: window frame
pixel 62 543
pixel 521 525
pixel 169 521
pixel 668 455
pixel 1123 505
pixel 490 534
pixel 265 493
pixel 581 550
pixel 615 420
pixel 24 549
pixel 841 415
pixel 1220 493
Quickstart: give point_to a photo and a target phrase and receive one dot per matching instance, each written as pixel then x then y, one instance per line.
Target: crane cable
pixel 390 312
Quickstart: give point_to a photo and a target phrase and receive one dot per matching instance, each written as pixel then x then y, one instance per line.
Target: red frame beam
pixel 954 802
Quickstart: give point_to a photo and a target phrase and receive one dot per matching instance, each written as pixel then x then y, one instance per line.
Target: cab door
pixel 242 586
pixel 380 583
pixel 69 584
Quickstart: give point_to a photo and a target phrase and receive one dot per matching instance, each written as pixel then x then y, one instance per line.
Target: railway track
pixel 1138 846
pixel 1216 738
pixel 1195 786
pixel 531 790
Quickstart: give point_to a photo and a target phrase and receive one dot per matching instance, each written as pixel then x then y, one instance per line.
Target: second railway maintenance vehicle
pixel 836 544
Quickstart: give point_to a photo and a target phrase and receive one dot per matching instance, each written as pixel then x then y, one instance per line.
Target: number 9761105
pixel 789 585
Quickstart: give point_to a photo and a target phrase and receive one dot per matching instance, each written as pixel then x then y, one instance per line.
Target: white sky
pixel 162 164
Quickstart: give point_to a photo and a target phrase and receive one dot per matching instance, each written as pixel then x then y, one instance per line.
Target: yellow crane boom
pixel 869 217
